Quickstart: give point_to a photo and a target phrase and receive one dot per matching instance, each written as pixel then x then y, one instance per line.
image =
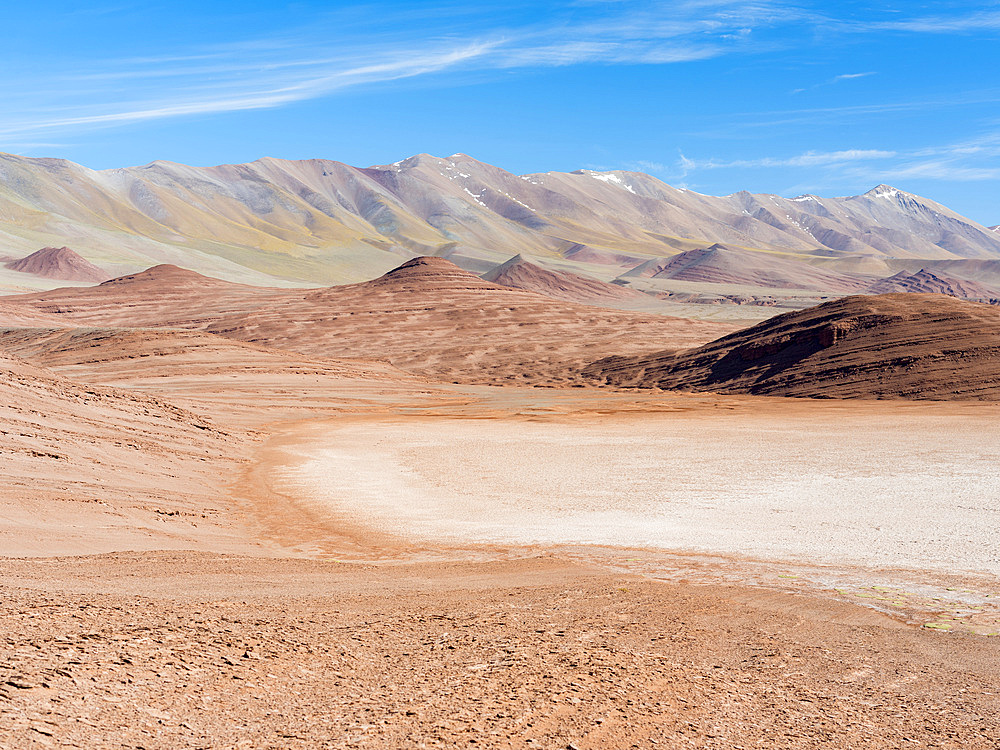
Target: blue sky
pixel 765 95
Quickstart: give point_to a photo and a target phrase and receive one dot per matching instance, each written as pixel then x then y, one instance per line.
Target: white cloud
pixel 853 112
pixel 971 160
pixel 851 76
pixel 835 79
pixel 942 169
pixel 605 52
pixel 986 20
pixel 297 66
pixel 268 90
pixel 808 159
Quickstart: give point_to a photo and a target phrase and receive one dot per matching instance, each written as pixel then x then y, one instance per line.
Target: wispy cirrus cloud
pixel 267 96
pixel 939 169
pixel 847 113
pixel 835 79
pixel 851 76
pixel 976 21
pixel 807 159
pixel 297 65
pixel 971 160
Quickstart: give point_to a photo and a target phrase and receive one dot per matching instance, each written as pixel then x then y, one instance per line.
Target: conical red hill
pixel 430 272
pixel 518 273
pixel 165 274
pixel 59 263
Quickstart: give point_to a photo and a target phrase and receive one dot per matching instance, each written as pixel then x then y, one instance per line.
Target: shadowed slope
pixel 59 263
pixel 924 281
pixel 888 346
pixel 984 272
pixel 518 273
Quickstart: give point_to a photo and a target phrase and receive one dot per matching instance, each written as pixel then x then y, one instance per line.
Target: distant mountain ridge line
pixel 322 221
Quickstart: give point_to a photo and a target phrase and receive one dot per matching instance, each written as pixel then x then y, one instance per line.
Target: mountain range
pixel 323 222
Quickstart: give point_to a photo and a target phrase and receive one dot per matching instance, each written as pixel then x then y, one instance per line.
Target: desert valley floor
pixel 361 517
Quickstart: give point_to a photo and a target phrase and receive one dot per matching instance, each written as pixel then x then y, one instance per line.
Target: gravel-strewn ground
pixel 167 650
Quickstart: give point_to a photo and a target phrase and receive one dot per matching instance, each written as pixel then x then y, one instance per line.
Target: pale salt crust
pixel 909 491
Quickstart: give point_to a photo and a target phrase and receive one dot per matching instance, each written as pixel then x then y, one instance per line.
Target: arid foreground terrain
pixel 170 578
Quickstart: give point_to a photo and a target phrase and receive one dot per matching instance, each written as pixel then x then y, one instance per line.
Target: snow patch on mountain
pixel 612 178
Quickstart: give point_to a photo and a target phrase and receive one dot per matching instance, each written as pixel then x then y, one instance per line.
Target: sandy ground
pixel 293 627
pixel 167 650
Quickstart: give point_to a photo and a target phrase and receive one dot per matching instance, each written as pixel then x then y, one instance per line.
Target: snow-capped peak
pixel 883 191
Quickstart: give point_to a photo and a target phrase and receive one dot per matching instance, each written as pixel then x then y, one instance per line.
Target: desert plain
pixel 420 511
